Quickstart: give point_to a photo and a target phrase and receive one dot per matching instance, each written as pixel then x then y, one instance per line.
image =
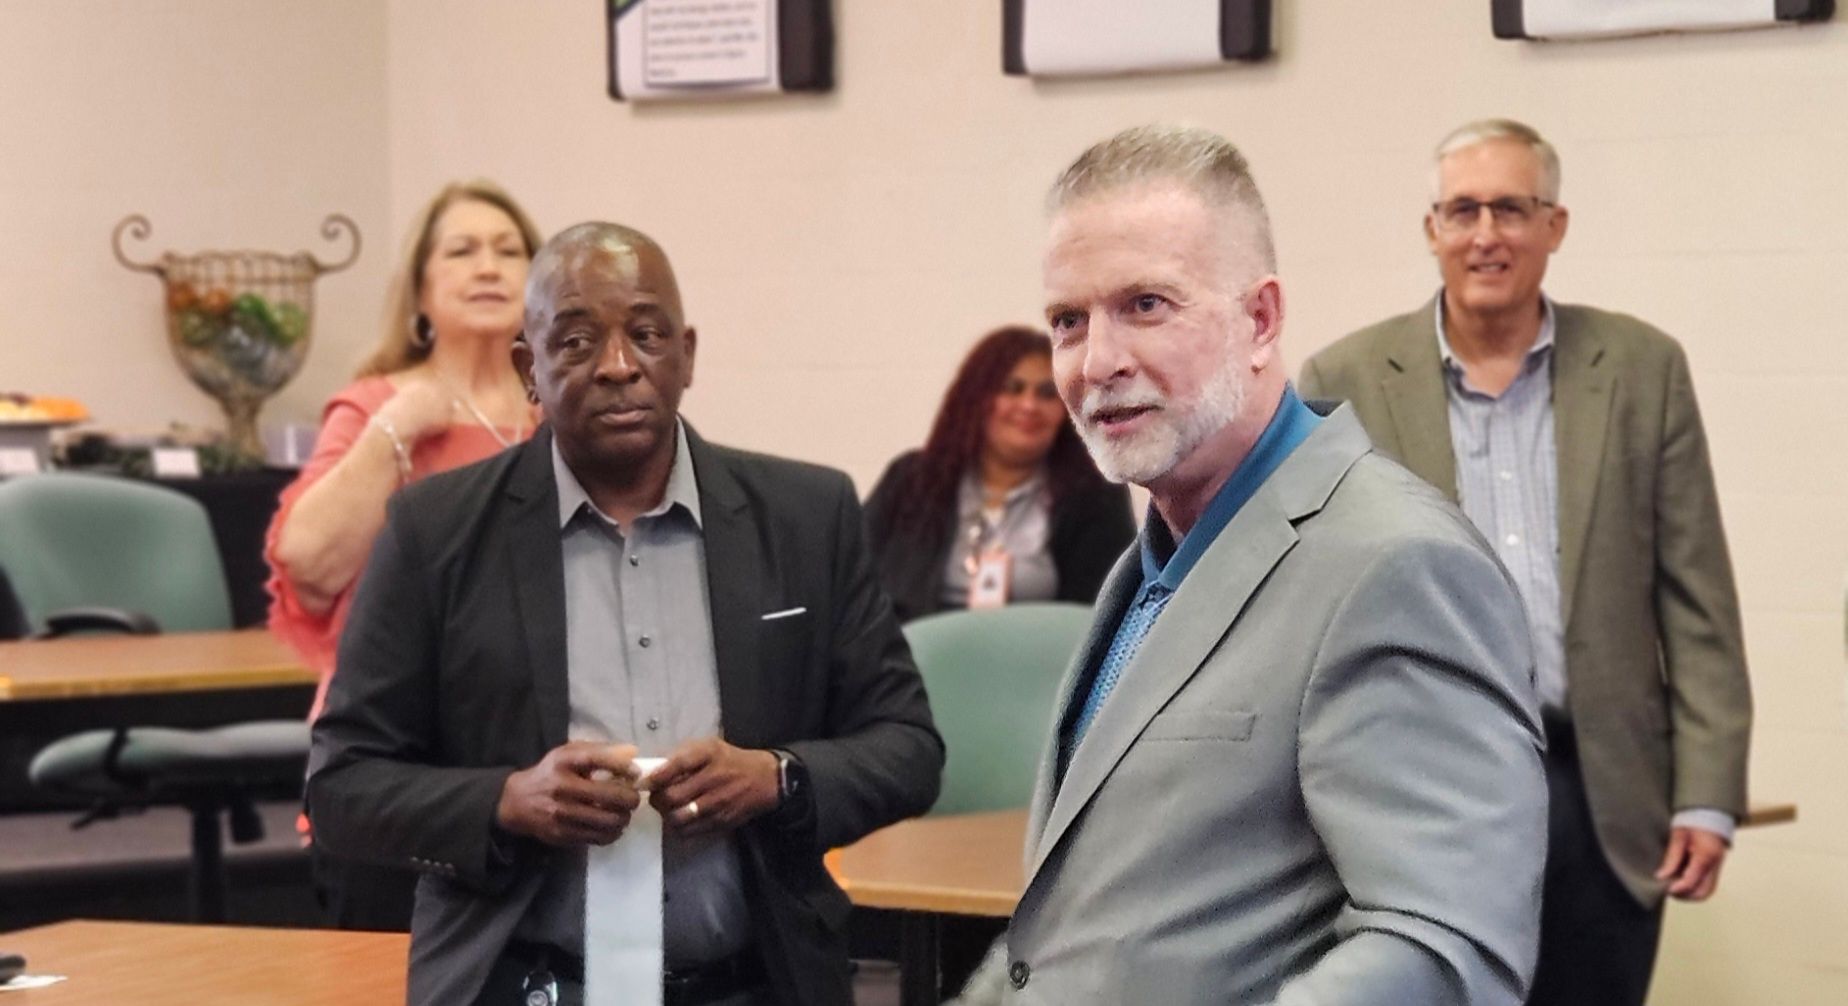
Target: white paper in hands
pixel 645 767
pixel 622 910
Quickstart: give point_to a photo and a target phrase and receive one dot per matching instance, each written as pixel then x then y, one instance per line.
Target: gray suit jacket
pixel 1655 661
pixel 452 673
pixel 1318 781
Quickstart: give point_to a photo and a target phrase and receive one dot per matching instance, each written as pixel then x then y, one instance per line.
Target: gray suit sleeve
pixel 1420 759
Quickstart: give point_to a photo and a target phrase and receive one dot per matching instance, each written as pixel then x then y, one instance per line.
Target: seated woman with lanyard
pixel 1002 504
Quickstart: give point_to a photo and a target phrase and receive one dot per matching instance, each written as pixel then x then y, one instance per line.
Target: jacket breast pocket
pixel 1201 725
pixel 786 632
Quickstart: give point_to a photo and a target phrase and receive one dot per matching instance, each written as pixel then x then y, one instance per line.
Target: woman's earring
pixel 422 336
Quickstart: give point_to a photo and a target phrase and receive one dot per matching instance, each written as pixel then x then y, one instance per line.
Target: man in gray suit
pixel 1298 758
pixel 1573 440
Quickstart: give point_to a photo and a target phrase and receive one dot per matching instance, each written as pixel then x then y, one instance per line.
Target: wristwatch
pixel 792 779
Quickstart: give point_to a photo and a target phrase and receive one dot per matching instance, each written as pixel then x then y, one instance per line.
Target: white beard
pixel 1173 433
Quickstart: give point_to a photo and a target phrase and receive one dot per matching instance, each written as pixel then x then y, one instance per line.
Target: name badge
pixel 988 584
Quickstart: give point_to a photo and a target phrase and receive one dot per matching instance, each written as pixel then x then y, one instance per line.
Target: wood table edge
pixel 940 900
pixel 281 675
pixel 1769 813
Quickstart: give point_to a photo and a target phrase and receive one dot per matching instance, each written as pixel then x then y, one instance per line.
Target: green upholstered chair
pixel 993 677
pixel 78 543
pixel 92 552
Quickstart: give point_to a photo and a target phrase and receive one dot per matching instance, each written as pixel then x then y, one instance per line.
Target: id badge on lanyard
pixel 989 580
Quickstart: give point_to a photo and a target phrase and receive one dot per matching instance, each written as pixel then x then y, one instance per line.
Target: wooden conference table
pixel 53 687
pixel 930 867
pixel 927 868
pixel 155 964
pixel 98 666
pixel 971 864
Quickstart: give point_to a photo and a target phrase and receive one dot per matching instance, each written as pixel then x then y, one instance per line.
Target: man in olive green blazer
pixel 1596 491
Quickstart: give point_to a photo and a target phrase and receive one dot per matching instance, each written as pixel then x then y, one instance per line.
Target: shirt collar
pixel 970 490
pixel 1167 565
pixel 682 485
pixel 1548 328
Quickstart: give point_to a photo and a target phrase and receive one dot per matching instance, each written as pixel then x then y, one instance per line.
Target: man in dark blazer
pixel 483 687
pixel 1572 438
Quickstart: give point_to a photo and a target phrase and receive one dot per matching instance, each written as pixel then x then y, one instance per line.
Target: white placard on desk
pixel 176 463
pixel 18 461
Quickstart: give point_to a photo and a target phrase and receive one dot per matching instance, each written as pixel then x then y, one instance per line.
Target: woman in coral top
pixel 439 391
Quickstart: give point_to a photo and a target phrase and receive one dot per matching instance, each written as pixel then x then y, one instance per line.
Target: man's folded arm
pixel 883 759
pixel 1421 765
pixel 371 793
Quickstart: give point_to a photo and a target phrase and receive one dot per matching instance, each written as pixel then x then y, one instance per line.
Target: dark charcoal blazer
pixel 1091 526
pixel 453 673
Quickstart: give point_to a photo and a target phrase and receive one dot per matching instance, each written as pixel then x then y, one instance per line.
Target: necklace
pixel 468 403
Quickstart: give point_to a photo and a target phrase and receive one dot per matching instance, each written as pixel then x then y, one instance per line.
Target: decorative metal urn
pixel 239 322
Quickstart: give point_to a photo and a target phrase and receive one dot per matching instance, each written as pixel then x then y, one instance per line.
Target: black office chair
pixel 96 553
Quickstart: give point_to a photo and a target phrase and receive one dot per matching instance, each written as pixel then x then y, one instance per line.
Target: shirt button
pixel 635 560
pixel 1018 973
pixel 1507 476
pixel 653 723
pixel 1513 539
pixel 645 641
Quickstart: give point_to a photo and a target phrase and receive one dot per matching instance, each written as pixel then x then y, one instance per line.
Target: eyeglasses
pixel 1511 213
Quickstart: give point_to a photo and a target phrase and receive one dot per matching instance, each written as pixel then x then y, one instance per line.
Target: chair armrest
pixel 71 620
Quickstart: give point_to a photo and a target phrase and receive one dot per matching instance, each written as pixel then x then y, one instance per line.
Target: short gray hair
pixel 1485 130
pixel 1200 159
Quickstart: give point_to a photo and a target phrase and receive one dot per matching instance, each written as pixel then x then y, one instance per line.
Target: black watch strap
pixel 793 796
pixel 791 776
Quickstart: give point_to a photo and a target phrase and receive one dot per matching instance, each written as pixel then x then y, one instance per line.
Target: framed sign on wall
pixel 678 49
pixel 1054 38
pixel 1574 19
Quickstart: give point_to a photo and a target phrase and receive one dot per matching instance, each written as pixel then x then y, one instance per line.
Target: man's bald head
pixel 570 249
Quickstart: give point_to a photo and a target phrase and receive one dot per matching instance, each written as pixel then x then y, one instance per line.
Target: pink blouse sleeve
pixel 343 423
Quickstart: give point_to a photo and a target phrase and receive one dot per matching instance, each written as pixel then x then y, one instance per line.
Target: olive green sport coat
pixel 1655 665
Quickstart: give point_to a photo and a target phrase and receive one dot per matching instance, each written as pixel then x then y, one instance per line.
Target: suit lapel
pixel 1414 390
pixel 1118 590
pixel 538 566
pixel 1199 616
pixel 734 575
pixel 1582 392
pixel 1193 623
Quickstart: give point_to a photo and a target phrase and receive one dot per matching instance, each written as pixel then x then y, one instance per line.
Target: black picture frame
pixel 804 39
pixel 1507 18
pixel 1244 33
